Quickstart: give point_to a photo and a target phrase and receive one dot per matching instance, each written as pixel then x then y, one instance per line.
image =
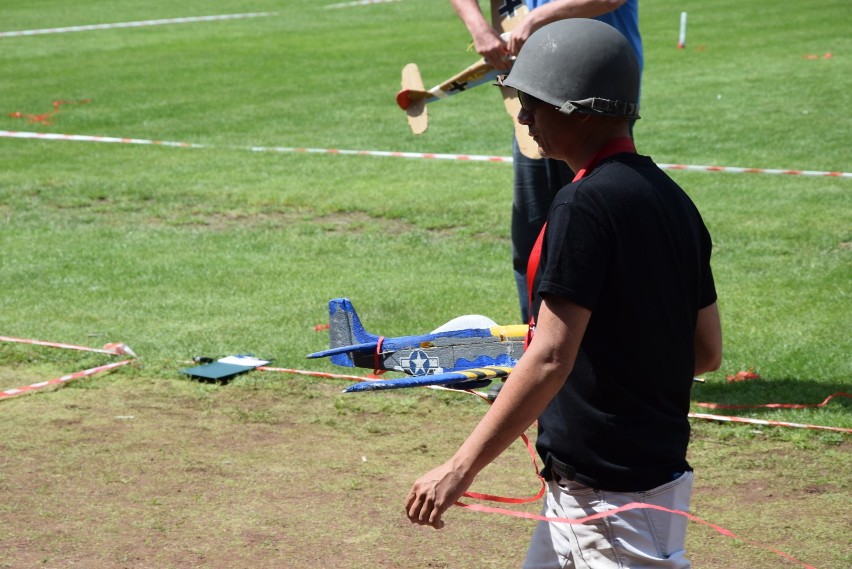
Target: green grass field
pixel 181 252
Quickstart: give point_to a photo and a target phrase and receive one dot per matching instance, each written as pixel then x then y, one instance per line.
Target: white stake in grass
pixel 681 40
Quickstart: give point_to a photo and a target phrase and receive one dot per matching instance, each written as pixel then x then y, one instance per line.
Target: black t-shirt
pixel 627 243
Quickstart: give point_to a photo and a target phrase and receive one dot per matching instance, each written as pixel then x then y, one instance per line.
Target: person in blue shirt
pixel 536 181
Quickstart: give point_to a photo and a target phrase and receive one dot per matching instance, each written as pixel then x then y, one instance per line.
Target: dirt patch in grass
pixel 281 471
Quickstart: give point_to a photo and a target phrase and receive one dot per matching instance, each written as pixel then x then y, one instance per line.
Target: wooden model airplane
pixel 465 353
pixel 414 97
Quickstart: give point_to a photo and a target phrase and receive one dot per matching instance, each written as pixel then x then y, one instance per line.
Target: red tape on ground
pixel 536 517
pixel 85 373
pixel 725 418
pixel 507 500
pixel 626 507
pixel 115 348
pixel 315 373
pixel 484 397
pixel 774 405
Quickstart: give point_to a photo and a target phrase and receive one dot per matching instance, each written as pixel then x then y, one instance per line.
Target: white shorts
pixel 641 538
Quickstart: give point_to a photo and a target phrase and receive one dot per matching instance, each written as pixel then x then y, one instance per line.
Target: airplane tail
pixel 412 99
pixel 345 329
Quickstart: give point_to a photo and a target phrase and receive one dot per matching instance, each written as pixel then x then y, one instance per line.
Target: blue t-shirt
pixel 625 19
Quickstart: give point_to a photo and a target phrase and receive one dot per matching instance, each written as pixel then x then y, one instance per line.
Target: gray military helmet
pixel 579 65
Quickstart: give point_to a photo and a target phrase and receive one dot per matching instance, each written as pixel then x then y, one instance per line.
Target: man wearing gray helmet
pixel 536 181
pixel 624 315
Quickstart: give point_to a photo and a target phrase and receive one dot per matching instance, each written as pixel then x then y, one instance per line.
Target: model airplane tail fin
pixel 345 329
pixel 412 98
pixel 407 97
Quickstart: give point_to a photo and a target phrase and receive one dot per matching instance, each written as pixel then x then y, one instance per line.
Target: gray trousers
pixel 635 539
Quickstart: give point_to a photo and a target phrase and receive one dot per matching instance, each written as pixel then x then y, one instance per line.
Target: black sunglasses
pixel 528 102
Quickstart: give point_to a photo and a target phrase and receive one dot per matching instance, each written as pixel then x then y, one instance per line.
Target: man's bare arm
pixel 486 40
pixel 558 10
pixel 708 340
pixel 536 379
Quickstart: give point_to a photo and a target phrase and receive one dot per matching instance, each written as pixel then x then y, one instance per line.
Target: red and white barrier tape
pixel 725 418
pixel 359 3
pixel 85 373
pixel 775 405
pixel 316 373
pixel 115 348
pixel 87 138
pixel 144 23
pixel 392 154
pixel 738 170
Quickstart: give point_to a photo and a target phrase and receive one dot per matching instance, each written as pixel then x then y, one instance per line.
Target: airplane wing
pixel 366 347
pixel 473 378
pixel 413 98
pixel 505 15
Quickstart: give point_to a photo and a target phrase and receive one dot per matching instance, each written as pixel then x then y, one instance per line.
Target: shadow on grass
pixel 755 394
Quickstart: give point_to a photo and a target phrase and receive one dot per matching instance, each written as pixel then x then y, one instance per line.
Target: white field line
pixel 358 3
pixel 140 24
pixel 393 154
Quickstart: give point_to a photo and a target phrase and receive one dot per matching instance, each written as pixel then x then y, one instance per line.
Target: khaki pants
pixel 641 538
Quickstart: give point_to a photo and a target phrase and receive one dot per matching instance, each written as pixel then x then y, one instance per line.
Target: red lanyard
pixel 614 146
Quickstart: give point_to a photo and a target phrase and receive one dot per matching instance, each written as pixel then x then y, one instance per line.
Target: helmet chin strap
pixel 605 107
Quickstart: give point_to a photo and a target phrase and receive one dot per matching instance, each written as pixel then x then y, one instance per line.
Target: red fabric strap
pixel 377 357
pixel 624 508
pixel 508 500
pixel 615 146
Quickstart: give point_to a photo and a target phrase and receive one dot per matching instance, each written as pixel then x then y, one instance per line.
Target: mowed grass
pixel 181 252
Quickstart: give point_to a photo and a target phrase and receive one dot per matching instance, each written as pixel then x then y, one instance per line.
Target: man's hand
pixel 486 40
pixel 433 493
pixel 520 34
pixel 492 48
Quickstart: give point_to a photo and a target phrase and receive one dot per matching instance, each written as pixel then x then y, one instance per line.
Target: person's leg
pixel 536 183
pixel 559 545
pixel 646 538
pixel 641 538
pixel 542 553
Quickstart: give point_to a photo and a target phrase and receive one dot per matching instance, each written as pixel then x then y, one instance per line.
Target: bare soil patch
pixel 280 471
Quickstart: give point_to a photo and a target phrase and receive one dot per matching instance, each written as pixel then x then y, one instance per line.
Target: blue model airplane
pixel 465 353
